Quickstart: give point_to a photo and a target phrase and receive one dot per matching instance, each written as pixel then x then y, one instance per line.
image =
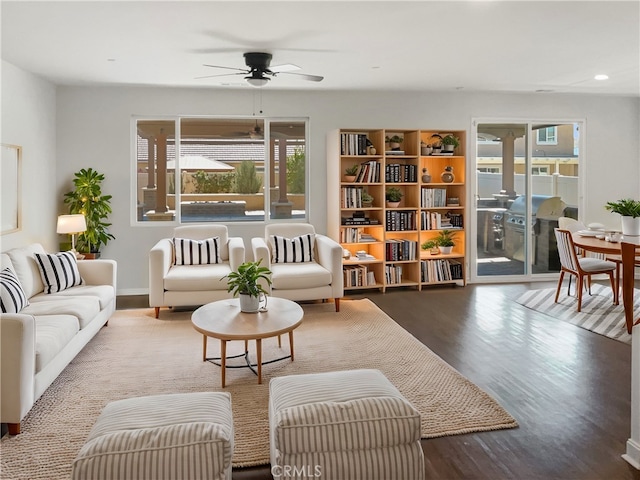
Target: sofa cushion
pixel 197 277
pixel 104 293
pixel 196 252
pixel 299 275
pixel 24 264
pixel 296 249
pixel 59 271
pixel 85 309
pixel 53 333
pixel 12 296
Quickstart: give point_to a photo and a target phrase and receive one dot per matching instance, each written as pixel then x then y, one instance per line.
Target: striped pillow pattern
pixel 292 250
pixel 12 296
pixel 59 271
pixel 196 252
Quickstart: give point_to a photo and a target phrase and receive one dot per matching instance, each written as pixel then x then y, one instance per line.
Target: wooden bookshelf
pixel 384 242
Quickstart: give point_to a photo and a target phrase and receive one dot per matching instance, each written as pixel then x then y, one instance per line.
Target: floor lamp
pixel 72 224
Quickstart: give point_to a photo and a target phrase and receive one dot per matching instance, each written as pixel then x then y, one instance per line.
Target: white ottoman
pixel 160 437
pixel 343 425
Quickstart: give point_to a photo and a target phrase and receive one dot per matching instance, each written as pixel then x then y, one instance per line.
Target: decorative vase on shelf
pixel 426 176
pixel 447 176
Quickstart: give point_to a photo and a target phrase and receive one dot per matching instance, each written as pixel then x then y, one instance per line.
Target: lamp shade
pixel 71 224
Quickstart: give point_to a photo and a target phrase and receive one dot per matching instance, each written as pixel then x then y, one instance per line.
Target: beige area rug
pixel 138 355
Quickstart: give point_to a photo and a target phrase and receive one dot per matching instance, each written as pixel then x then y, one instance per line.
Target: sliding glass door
pixel 526 178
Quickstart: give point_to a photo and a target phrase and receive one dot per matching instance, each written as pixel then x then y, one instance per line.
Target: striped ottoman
pixel 343 425
pixel 161 437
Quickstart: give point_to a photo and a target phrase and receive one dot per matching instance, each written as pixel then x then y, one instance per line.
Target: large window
pixel 547 136
pixel 220 169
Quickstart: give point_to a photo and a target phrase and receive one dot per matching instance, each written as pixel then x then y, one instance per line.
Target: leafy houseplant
pixel 626 207
pixel 445 240
pixel 431 245
pixel 367 200
pixel 394 141
pixel 629 209
pixel 87 199
pixel 246 282
pixel 450 142
pixel 393 195
pixel 351 170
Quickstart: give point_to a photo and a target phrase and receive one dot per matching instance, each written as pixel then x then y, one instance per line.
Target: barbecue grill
pixel 544 217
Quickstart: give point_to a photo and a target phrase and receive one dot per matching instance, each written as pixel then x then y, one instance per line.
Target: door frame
pixel 472 245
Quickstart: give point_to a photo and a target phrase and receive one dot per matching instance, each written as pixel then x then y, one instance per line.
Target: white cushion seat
pixel 197 277
pixel 590 264
pixel 349 424
pixel 299 275
pixel 160 437
pixel 104 294
pixel 53 333
pixel 84 308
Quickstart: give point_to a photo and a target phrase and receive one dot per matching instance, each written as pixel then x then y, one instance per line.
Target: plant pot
pixel 448 148
pixel 350 178
pixel 631 226
pixel 367 204
pixel 445 250
pixel 394 146
pixel 393 204
pixel 250 304
pixel 424 151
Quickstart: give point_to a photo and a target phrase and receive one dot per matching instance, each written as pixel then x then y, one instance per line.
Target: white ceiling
pixel 514 46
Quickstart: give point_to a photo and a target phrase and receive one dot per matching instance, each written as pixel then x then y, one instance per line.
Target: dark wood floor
pixel 569 389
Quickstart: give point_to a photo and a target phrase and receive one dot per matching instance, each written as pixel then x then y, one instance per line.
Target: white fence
pixel 555 185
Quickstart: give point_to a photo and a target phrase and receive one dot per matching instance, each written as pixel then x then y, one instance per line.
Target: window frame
pixel 553 141
pixel 267 178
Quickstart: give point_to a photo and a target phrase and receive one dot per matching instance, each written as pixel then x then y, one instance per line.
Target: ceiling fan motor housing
pixel 258 61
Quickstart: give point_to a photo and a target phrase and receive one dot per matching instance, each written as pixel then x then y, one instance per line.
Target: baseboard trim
pixel 633 454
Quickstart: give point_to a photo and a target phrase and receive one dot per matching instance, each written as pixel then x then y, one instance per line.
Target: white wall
pixel 29 120
pixel 94 131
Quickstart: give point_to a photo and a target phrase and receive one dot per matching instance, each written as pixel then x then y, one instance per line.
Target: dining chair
pixel 581 267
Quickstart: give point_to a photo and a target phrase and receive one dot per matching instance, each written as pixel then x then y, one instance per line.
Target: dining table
pixel 628 247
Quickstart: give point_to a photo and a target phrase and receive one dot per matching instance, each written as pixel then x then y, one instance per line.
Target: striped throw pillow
pixel 292 250
pixel 196 252
pixel 59 271
pixel 12 296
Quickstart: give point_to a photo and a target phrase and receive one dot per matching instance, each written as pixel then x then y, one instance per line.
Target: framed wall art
pixel 10 172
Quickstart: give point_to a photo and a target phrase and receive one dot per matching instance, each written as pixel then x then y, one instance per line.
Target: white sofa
pixel 41 340
pixel 173 285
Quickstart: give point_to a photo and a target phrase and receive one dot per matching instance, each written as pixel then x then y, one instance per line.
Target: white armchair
pixel 301 278
pixel 192 284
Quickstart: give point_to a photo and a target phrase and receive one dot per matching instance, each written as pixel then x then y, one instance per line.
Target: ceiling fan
pixel 259 70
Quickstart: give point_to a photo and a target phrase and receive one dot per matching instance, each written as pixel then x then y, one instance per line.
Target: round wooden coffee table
pixel 224 320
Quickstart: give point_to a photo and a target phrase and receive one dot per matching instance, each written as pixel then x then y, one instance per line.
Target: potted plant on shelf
pixel 425 148
pixel 393 196
pixel 367 200
pixel 395 141
pixel 245 284
pixel 629 209
pixel 350 173
pixel 450 142
pixel 436 144
pixel 87 199
pixel 445 241
pixel 432 246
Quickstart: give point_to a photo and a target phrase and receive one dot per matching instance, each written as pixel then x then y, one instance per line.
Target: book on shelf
pixel 353 143
pixel 394 152
pixel 442 154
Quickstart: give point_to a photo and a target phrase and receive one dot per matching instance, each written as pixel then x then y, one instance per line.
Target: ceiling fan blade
pixel 244 70
pixel 312 78
pixel 286 67
pixel 221 75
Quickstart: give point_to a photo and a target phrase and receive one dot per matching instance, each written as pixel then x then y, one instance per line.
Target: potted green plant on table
pixel 87 199
pixel 445 241
pixel 450 142
pixel 629 210
pixel 245 283
pixel 393 196
pixel 350 173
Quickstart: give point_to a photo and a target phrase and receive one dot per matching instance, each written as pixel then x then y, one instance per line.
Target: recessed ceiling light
pixel 601 76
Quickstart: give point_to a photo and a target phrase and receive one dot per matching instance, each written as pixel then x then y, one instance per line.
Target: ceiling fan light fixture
pixel 257 82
